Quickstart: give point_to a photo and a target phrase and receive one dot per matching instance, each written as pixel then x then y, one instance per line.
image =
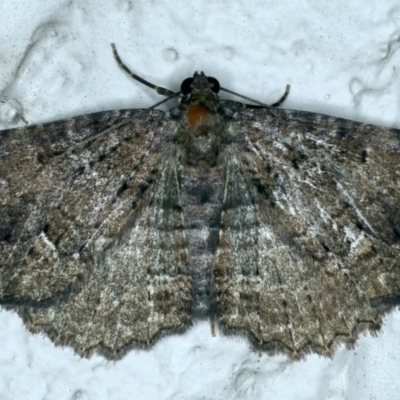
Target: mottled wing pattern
pixel 92 248
pixel 309 247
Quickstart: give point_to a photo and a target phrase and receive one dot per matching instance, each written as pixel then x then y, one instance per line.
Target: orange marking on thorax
pixel 196 113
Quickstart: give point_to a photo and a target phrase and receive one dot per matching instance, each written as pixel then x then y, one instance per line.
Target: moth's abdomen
pixel 202 191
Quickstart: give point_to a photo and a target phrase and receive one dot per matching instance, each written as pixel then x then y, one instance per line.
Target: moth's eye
pixel 214 84
pixel 186 86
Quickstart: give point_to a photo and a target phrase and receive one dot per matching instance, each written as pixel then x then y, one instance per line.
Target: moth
pixel 120 226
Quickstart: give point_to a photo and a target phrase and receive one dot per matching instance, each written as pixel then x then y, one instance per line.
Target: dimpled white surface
pixel 341 58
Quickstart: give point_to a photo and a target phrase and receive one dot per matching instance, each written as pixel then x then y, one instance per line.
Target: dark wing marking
pixel 309 248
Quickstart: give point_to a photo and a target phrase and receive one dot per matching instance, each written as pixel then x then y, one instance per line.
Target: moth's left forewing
pixel 61 182
pixel 320 202
pixel 139 288
pixel 92 251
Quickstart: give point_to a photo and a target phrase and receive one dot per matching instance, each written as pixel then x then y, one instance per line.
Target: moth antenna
pixel 259 103
pixel 283 98
pixel 160 90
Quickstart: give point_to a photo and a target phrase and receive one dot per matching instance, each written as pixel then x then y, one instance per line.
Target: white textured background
pixel 342 58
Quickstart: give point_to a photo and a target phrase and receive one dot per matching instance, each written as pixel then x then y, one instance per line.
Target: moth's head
pixel 199 83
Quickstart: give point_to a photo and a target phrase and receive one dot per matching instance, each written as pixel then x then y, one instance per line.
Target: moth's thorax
pixel 202 129
pixel 200 109
pixel 197 114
